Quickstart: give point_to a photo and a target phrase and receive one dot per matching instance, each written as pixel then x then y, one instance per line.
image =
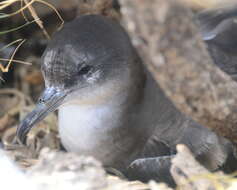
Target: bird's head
pixel 83 57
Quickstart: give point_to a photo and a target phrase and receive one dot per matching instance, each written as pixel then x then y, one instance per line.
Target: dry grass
pixel 25 4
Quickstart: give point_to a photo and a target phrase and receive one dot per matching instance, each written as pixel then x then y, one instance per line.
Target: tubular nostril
pixel 41 100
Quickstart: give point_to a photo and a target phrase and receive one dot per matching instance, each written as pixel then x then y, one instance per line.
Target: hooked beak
pixel 49 101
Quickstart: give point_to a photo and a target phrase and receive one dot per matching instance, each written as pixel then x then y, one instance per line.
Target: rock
pixel 60 170
pixel 12 177
pixel 189 174
pixel 170 44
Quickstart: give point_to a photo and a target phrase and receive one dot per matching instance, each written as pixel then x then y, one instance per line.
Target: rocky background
pixel 169 43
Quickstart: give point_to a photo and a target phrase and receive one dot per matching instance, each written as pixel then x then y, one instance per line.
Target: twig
pixel 17 93
pixel 16 61
pixel 6 69
pixel 10 44
pixel 22 12
pixel 17 28
pixel 38 21
pixel 52 7
pixel 16 12
pixel 31 9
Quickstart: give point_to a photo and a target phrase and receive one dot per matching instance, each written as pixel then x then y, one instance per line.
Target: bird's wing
pixel 173 127
pixel 212 21
pixel 219 30
pixel 224 59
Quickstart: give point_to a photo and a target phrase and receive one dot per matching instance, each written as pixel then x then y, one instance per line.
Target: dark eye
pixel 84 69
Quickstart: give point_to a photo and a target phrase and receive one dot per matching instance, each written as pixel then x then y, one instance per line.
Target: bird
pixel 218 28
pixel 110 107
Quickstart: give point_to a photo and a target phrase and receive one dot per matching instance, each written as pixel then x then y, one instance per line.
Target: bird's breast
pixel 94 131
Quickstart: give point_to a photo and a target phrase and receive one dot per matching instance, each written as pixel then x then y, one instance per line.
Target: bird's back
pixel 171 127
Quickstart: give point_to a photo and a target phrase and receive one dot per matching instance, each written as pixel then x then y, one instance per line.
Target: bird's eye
pixel 84 69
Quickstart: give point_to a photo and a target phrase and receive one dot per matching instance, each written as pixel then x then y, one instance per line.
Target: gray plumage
pixel 219 30
pixel 110 106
